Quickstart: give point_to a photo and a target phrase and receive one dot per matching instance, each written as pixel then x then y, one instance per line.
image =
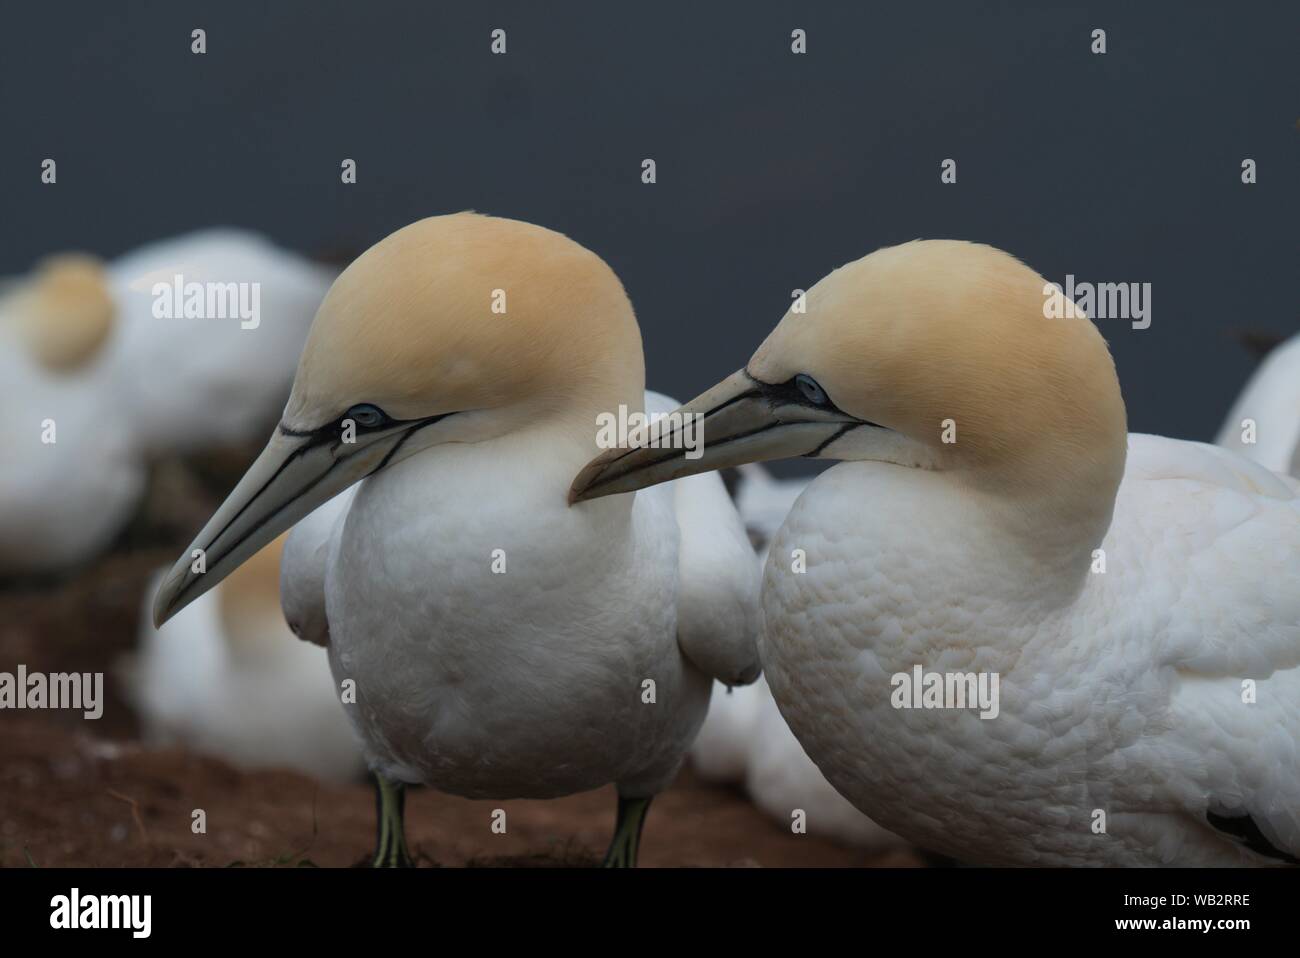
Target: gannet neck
pixel 539 459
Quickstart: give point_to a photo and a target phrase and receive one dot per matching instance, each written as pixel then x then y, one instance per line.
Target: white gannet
pixel 229 679
pixel 499 642
pixel 70 470
pixel 720 752
pixel 1271 403
pixel 196 382
pixel 1145 714
pixel 94 383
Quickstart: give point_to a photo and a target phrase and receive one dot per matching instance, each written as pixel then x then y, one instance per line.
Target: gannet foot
pixel 390 808
pixel 627 832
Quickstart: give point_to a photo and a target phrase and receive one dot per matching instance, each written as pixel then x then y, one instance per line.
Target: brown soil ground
pixel 86 793
pixel 72 800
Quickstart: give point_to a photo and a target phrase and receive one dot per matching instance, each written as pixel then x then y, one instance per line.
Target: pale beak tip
pixel 162 610
pixel 581 486
pixel 165 604
pixel 585 480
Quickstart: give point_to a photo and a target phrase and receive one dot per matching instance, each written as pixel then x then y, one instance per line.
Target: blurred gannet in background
pixel 1147 714
pixel 745 740
pixel 720 752
pixel 1271 399
pixel 193 383
pixel 229 679
pixel 502 644
pixel 70 470
pixel 764 501
pixel 81 348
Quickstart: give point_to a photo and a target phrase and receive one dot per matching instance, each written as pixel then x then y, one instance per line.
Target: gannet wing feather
pixel 718 584
pixel 302 568
pixel 1272 400
pixel 1225 531
pixel 1222 531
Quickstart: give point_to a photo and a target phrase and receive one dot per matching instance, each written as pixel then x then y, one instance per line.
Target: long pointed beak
pixel 739 420
pixel 294 474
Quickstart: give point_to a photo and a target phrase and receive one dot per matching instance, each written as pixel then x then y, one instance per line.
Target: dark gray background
pixel 773 168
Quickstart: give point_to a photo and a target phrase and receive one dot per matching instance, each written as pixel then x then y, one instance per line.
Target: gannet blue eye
pixel 366 416
pixel 811 391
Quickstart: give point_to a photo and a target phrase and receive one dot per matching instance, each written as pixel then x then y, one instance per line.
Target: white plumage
pixel 194 383
pixel 528 683
pixel 721 750
pixel 781 779
pixel 716 598
pixel 61 501
pixel 764 501
pixel 302 568
pixel 230 680
pixel 1271 401
pixel 1125 697
pixel 83 358
pixel 744 739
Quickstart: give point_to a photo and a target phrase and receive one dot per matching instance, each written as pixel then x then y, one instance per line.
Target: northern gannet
pixel 1268 412
pixel 1137 598
pixel 195 382
pixel 95 384
pixel 70 469
pixel 229 679
pixel 499 643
